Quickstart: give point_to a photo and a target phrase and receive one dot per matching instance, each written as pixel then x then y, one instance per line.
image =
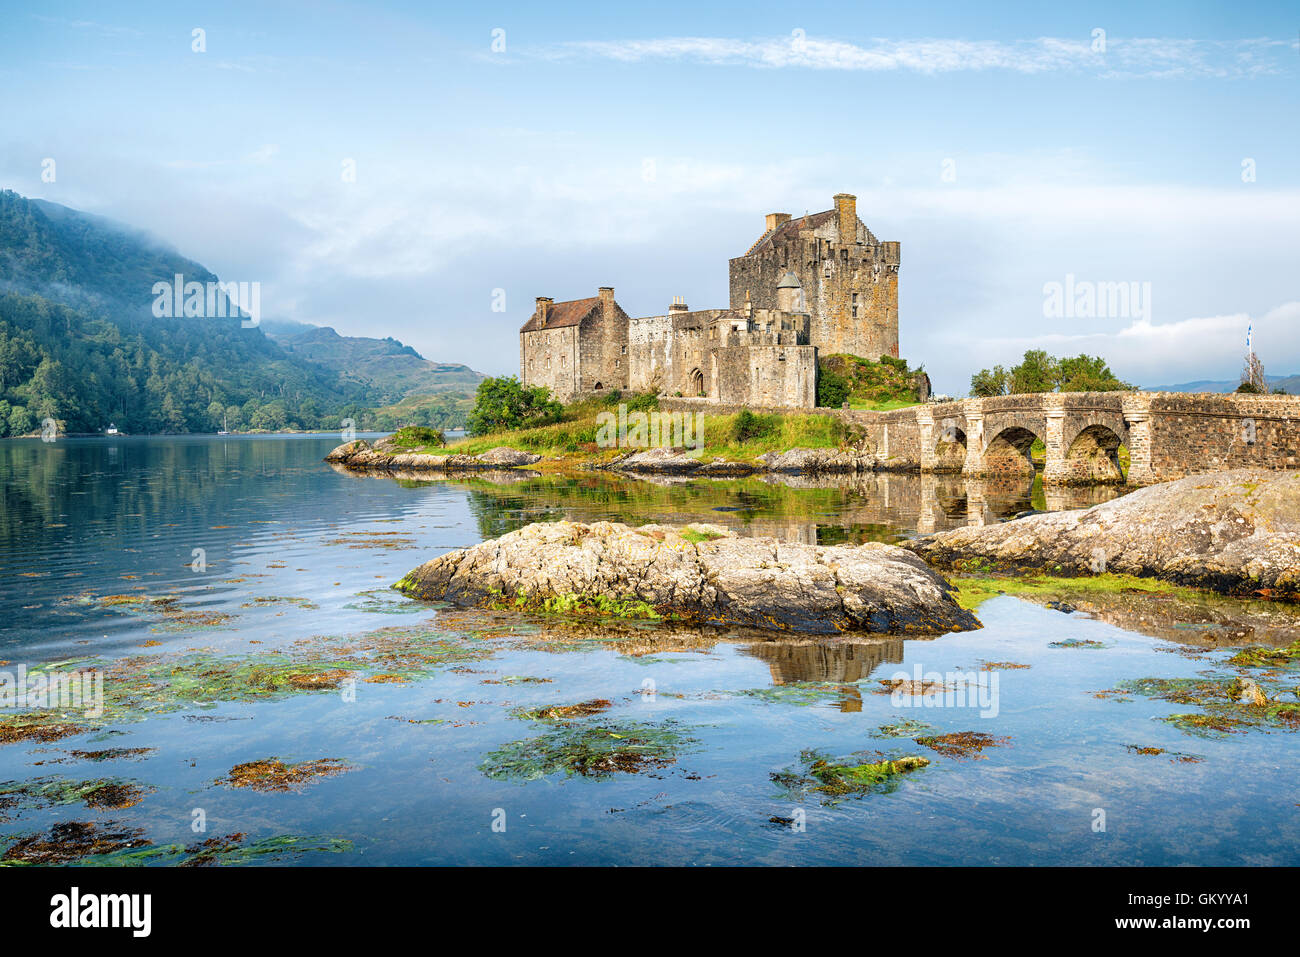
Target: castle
pixel 820 282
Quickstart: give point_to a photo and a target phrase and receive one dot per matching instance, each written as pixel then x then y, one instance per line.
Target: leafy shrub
pixel 747 426
pixel 832 389
pixel 503 404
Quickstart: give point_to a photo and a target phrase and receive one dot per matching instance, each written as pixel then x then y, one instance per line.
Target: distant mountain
pixel 79 344
pixel 390 370
pixel 1290 383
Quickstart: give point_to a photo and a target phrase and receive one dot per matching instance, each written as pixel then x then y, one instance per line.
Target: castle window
pixel 844 255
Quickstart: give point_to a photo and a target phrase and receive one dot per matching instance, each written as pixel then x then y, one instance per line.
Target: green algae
pixel 800 694
pixel 114 793
pixel 136 688
pixel 571 604
pixel 380 601
pixel 1076 643
pixel 1267 657
pixel 907 728
pixel 110 844
pixel 596 750
pixel 1228 704
pixel 973 589
pixel 830 780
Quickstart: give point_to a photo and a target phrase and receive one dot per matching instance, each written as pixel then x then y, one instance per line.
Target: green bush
pixel 503 405
pixel 747 426
pixel 832 389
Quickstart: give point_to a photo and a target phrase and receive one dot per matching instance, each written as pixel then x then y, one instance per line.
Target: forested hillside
pixel 79 343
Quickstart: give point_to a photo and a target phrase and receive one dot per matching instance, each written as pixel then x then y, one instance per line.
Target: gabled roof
pixel 561 314
pixel 791 227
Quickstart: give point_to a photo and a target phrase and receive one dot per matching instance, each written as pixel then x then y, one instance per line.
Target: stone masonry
pixel 820 284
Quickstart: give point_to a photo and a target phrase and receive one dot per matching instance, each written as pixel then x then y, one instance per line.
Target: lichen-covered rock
pixel 698 573
pixel 812 461
pixel 669 461
pixel 347 449
pixel 360 454
pixel 505 457
pixel 1235 532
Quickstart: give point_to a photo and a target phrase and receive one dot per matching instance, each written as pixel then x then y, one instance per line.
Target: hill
pixel 79 343
pixel 1290 383
pixel 390 370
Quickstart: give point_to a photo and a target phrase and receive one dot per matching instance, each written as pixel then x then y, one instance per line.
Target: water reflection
pixel 813 509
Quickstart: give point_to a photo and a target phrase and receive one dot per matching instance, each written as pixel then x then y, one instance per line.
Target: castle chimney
pixel 606 294
pixel 846 211
pixel 776 219
pixel 679 304
pixel 543 307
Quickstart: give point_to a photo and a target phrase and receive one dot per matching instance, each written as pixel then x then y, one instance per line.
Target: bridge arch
pixel 950 447
pixel 1091 457
pixel 1008 450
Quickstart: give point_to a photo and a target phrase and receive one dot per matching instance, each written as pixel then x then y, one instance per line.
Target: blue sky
pixel 640 147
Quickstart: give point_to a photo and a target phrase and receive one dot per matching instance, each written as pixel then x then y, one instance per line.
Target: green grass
pixel 882 405
pixel 724 436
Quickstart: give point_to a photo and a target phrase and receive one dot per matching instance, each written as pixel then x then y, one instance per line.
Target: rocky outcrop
pixel 701 574
pixel 1236 532
pixel 817 461
pixel 360 454
pixel 794 461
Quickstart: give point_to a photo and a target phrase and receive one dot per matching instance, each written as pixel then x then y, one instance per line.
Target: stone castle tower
pixel 818 285
pixel 847 279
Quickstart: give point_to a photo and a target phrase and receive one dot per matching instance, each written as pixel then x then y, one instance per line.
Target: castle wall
pixel 850 285
pixel 549 357
pixel 603 348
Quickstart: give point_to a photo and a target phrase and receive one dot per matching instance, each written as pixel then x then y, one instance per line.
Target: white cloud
pixel 1154 57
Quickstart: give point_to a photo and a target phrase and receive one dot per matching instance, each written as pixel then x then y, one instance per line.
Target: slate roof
pixel 561 314
pixel 791 228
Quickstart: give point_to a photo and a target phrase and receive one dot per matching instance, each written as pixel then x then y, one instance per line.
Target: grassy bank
pixel 579 436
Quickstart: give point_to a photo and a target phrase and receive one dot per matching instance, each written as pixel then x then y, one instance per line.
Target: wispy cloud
pixel 1148 57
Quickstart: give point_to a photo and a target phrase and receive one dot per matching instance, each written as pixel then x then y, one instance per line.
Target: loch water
pixel 234 594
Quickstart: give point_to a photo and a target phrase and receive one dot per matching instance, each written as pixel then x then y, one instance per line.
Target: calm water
pixel 264 558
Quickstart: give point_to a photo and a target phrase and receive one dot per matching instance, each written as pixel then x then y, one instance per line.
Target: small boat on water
pixel 223 430
pixel 111 430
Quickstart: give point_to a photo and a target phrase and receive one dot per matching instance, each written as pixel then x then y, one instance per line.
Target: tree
pixel 995 381
pixel 20 421
pixel 502 404
pixel 1088 374
pixel 1040 372
pixel 1037 372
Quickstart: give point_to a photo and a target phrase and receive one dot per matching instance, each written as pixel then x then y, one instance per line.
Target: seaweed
pixel 830 780
pixel 272 774
pixel 591 750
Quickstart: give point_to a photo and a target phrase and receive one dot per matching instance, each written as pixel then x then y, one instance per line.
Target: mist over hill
pixel 80 344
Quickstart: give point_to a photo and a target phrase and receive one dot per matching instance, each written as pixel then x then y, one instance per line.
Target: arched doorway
pixel 695 383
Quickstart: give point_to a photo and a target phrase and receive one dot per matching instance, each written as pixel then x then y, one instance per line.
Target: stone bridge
pixel 1167 435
